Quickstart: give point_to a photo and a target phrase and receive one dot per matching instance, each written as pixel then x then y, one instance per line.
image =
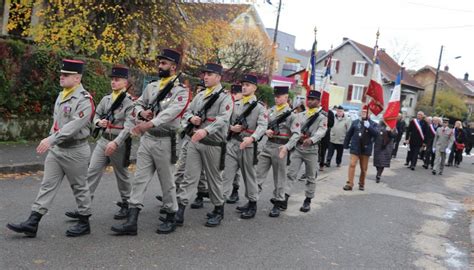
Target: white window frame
pixel 355 87
pixel 358 69
pixel 333 66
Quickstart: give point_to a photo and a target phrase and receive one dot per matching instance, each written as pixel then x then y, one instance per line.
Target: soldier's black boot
pixel 82 227
pixel 180 215
pixel 29 227
pixel 123 212
pixel 251 211
pixel 234 196
pixel 284 204
pixel 275 212
pixel 243 208
pixel 130 227
pixel 199 201
pixel 72 214
pixel 306 205
pixel 218 216
pixel 169 225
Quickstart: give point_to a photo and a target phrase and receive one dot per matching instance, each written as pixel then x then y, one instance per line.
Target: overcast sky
pixel 419 25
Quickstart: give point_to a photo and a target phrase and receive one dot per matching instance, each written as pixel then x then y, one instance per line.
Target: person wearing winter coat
pixel 342 123
pixel 383 148
pixel 360 139
pixel 458 145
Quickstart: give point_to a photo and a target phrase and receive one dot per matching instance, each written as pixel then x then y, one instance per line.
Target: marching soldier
pixel 249 122
pixel 68 154
pixel 442 143
pixel 282 137
pixel 160 106
pixel 114 118
pixel 209 123
pixel 313 129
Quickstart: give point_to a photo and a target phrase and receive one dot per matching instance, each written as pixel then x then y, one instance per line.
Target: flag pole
pixel 314 53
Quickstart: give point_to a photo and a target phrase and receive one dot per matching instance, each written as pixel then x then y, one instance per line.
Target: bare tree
pixel 404 52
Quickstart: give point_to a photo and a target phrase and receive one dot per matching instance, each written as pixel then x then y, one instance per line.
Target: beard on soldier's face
pixel 164 73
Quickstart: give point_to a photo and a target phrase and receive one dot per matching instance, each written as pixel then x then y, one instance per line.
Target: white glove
pixel 448 151
pixel 434 150
pixel 366 124
pixel 388 128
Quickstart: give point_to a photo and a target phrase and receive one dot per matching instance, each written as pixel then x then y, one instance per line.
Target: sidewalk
pixel 22 158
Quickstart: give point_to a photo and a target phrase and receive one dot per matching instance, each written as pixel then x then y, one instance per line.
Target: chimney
pixel 466 77
pixel 446 68
pixel 344 39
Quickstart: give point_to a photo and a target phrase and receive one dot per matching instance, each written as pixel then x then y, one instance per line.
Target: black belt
pixel 109 136
pixel 161 133
pixel 68 144
pixel 278 140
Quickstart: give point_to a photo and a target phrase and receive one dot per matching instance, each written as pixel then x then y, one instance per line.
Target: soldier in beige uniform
pixel 313 129
pixel 159 125
pixel 115 143
pixel 274 154
pixel 207 146
pixel 442 143
pixel 68 154
pixel 242 147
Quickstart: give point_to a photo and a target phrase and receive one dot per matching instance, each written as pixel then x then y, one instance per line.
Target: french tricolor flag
pixel 393 108
pixel 326 84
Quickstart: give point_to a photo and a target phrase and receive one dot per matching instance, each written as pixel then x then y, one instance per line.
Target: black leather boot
pixel 216 219
pixel 130 227
pixel 283 204
pixel 169 225
pixel 180 215
pixel 29 227
pixel 72 214
pixel 82 227
pixel 123 212
pixel 251 211
pixel 199 201
pixel 243 208
pixel 275 212
pixel 234 196
pixel 306 205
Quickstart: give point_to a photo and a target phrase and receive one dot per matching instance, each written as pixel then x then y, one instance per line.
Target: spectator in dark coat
pixel 360 139
pixel 415 138
pixel 469 138
pixel 429 154
pixel 324 143
pixel 383 148
pixel 458 145
pixel 401 126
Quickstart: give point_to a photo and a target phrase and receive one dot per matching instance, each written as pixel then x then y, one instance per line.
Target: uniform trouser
pixel 98 163
pixel 154 154
pixel 364 162
pixel 181 165
pixel 339 149
pixel 439 161
pixel 309 158
pixel 269 158
pixel 72 163
pixel 199 157
pixel 429 155
pixel 412 155
pixel 240 159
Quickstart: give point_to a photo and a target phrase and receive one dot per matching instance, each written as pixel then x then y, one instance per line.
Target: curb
pixel 28 167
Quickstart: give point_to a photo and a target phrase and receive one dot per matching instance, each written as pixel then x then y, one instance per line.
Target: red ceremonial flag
pixel 393 108
pixel 375 90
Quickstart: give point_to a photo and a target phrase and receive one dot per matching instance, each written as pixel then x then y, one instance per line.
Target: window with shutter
pixel 366 69
pixel 349 92
pixel 359 68
pixel 357 92
pixel 337 66
pixel 353 68
pixel 334 66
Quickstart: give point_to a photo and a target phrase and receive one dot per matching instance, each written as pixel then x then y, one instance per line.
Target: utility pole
pixel 274 44
pixel 436 79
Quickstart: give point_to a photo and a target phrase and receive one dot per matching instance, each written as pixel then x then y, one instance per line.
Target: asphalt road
pixel 411 220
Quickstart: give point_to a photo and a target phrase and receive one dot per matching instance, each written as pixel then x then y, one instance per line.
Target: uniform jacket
pixel 316 132
pixel 413 135
pixel 123 117
pixel 170 108
pixel 444 138
pixel 361 139
pixel 257 120
pixel 340 128
pixel 289 129
pixel 217 120
pixel 72 117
